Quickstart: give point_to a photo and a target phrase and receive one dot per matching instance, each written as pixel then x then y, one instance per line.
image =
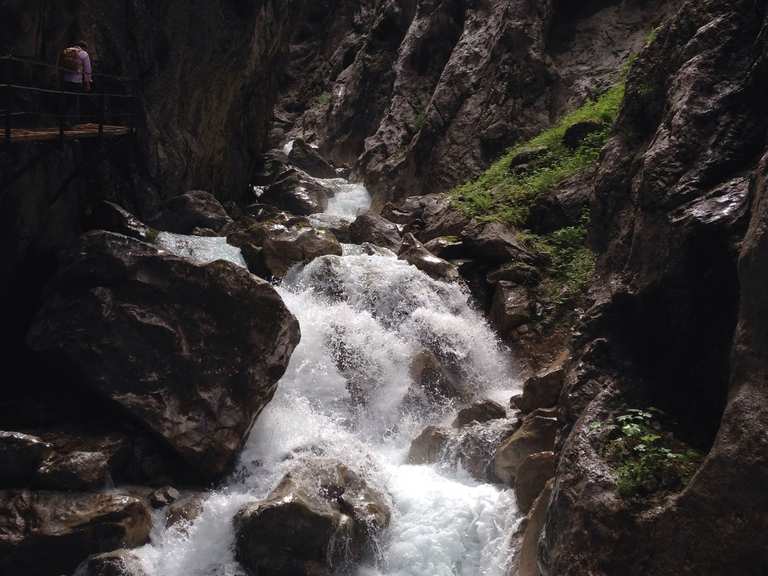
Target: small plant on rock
pixel 647 457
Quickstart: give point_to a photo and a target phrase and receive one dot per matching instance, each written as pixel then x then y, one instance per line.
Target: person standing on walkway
pixel 76 77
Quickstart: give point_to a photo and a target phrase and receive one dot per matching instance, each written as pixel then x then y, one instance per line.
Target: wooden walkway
pixel 77 132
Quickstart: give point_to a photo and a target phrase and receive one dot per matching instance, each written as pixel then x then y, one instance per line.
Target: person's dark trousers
pixel 71 103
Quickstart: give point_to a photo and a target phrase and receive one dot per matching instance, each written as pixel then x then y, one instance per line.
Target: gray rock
pixel 537 434
pixel 376 230
pixel 414 252
pixel 427 447
pixel 117 563
pixel 479 412
pixel 532 475
pixel 195 209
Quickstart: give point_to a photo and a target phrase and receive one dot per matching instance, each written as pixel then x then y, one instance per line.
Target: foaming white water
pixel 200 249
pixel 363 318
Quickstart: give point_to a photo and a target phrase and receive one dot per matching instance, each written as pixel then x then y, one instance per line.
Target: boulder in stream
pixel 117 563
pixel 132 320
pixel 537 434
pixel 376 230
pixel 195 209
pixel 414 252
pixel 321 518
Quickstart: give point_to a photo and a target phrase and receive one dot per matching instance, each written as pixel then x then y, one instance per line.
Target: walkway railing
pixel 33 107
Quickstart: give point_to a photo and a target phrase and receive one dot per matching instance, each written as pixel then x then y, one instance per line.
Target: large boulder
pixel 47 533
pixel 414 252
pixel 495 243
pixel 298 193
pixel 428 446
pixel 537 434
pixel 321 518
pixel 527 564
pixel 117 563
pixel 511 308
pixel 195 209
pixel 114 218
pixel 285 247
pixel 376 230
pixel 433 381
pixel 129 317
pixel 533 474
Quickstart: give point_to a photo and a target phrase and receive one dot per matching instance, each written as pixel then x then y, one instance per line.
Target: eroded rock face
pixel 44 533
pixel 427 447
pixel 130 318
pixel 321 518
pixel 479 412
pixel 680 219
pixel 308 159
pixel 297 192
pixel 532 476
pixel 285 247
pixel 511 308
pixel 20 457
pixel 537 434
pixel 543 389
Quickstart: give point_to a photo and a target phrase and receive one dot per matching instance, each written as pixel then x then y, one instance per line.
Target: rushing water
pixel 378 312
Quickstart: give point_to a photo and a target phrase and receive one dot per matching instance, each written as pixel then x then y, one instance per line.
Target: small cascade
pixel 345 395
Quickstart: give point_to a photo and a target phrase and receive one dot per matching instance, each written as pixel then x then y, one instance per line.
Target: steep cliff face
pixel 425 94
pixel 679 323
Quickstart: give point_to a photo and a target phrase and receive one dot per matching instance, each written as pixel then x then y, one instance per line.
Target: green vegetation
pixel 647 457
pixel 152 235
pixel 324 99
pixel 506 192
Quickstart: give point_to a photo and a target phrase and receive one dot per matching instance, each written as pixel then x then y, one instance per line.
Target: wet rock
pixel 114 218
pixel 321 518
pixel 414 252
pixel 433 381
pixel 195 209
pixel 163 497
pixel 376 230
pixel 537 434
pixel 337 225
pixel 76 470
pixel 532 476
pixel 128 317
pixel 308 159
pixel 285 247
pixel 543 389
pixel 474 446
pixel 117 563
pixel 44 533
pixel 184 510
pixel 576 134
pixel 298 193
pixel 479 412
pixel 528 558
pixel 511 308
pixel 564 205
pixel 205 232
pixel 427 447
pixel 20 457
pixel 441 218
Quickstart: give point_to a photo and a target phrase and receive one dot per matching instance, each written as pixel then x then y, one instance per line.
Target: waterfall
pixel 376 312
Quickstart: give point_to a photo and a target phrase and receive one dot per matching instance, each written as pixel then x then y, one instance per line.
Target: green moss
pixel 646 456
pixel 324 99
pixel 152 235
pixel 507 195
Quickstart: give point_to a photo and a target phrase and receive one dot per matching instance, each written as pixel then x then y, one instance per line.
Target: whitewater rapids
pixel 379 312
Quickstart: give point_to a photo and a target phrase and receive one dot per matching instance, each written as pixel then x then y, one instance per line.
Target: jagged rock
pixel 543 389
pixel 337 225
pixel 128 317
pixel 184 510
pixel 528 557
pixel 205 232
pixel 195 209
pixel 114 218
pixel 495 244
pixel 308 159
pixel 298 193
pixel 474 446
pixel 376 230
pixel 117 563
pixel 76 471
pixel 532 475
pixel 20 457
pixel 522 160
pixel 163 497
pixel 44 533
pixel 537 434
pixel 565 205
pixel 427 447
pixel 479 412
pixel 284 247
pixel 414 252
pixel 511 308
pixel 322 517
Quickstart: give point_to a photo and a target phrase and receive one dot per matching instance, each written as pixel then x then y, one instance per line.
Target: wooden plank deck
pixel 76 132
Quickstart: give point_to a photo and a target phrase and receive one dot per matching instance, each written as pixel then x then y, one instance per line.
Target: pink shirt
pixel 76 77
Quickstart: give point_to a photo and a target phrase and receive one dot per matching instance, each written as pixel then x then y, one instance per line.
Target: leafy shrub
pixel 647 457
